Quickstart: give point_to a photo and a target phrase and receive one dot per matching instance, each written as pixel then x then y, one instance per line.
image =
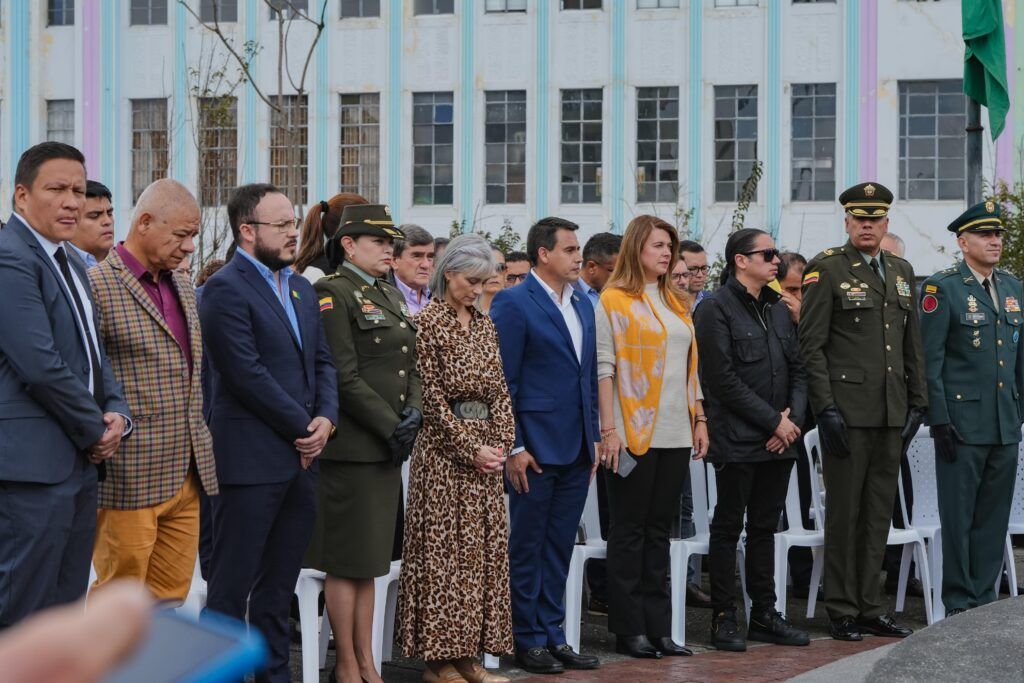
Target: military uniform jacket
pixel 373 342
pixel 973 355
pixel 859 338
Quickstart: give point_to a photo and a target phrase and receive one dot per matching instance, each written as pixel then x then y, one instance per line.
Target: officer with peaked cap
pixel 971 326
pixel 860 341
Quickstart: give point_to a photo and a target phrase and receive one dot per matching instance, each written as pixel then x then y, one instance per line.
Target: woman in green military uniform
pixel 373 341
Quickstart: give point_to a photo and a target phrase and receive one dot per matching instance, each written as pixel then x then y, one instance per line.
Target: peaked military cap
pixel 368 219
pixel 871 200
pixel 982 217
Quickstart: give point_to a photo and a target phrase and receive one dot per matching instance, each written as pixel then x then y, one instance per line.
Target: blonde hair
pixel 629 270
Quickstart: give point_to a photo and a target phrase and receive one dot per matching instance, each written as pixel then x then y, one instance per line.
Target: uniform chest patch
pixel 929 304
pixel 1011 305
pixel 902 286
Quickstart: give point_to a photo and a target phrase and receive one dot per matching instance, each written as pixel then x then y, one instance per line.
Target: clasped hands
pixel 107 446
pixel 786 432
pixel 309 447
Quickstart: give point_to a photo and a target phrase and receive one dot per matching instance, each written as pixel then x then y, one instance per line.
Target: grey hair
pixel 468 254
pixel 415 236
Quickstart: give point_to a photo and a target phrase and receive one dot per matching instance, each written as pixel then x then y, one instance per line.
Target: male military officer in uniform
pixel 971 327
pixel 860 341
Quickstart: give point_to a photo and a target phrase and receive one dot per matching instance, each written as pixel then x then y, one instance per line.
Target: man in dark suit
pixel 548 349
pixel 62 412
pixel 273 404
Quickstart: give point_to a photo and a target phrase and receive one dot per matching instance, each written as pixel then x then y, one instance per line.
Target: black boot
pixel 725 632
pixel 769 626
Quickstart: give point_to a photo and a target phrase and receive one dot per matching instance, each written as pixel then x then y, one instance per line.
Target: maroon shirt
pixel 165 297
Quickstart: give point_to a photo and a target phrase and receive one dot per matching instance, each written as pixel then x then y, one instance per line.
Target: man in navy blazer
pixel 273 404
pixel 62 412
pixel 547 336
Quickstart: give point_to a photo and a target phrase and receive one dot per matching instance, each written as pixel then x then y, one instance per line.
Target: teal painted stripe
pixel 114 135
pixel 773 118
pixel 467 176
pixel 395 109
pixel 180 99
pixel 322 98
pixel 618 93
pixel 18 103
pixel 542 114
pixel 252 9
pixel 851 95
pixel 696 96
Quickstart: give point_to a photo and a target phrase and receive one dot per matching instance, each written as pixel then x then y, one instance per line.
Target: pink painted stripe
pixel 869 90
pixel 1006 151
pixel 91 95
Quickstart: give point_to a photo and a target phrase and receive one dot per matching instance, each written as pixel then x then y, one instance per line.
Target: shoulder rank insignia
pixel 930 289
pixel 326 303
pixel 811 278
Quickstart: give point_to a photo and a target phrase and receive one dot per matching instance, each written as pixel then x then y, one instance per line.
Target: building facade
pixel 498 112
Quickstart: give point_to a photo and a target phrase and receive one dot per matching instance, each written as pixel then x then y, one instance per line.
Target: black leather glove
pixel 400 452
pixel 946 438
pixel 832 433
pixel 407 429
pixel 915 418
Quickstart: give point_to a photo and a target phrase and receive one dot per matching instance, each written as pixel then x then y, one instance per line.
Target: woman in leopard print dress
pixel 454 588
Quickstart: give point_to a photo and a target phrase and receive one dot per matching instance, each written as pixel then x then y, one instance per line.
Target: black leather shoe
pixel 669 647
pixel 537 660
pixel 845 628
pixel 955 611
pixel 883 626
pixel 771 627
pixel 914 588
pixel 696 597
pixel 725 632
pixel 636 646
pixel 574 660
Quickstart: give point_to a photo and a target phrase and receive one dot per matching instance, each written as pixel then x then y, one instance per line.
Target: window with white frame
pixel 656 4
pixel 360 8
pixel 289 146
pixel 582 4
pixel 735 3
pixel 813 169
pixel 360 144
pixel 151 142
pixel 148 12
pixel 505 146
pixel 933 141
pixel 434 7
pixel 735 138
pixel 290 8
pixel 60 12
pixel 221 10
pixel 505 6
pixel 432 147
pixel 60 121
pixel 657 144
pixel 218 149
pixel 581 146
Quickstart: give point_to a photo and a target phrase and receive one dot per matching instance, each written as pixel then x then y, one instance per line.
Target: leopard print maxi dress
pixel 454 587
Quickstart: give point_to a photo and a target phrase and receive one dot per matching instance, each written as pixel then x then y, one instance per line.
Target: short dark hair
pixel 415 236
pixel 516 257
pixel 97 190
pixel 691 247
pixel 37 155
pixel 542 235
pixel 787 260
pixel 601 247
pixel 243 201
pixel 441 242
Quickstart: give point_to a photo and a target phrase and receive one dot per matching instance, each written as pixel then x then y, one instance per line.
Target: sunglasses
pixel 769 255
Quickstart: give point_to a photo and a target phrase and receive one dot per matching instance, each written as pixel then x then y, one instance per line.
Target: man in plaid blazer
pixel 148 521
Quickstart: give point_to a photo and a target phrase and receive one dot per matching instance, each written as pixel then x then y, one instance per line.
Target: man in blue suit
pixel 62 412
pixel 273 404
pixel 547 336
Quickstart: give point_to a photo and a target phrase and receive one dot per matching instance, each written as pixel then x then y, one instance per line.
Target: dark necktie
pixel 987 284
pixel 876 269
pixel 97 376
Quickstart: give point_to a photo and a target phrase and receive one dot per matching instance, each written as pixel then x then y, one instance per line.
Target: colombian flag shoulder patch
pixel 811 278
pixel 326 303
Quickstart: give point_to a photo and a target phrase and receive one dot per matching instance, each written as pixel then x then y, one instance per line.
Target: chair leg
pixel 901 590
pixel 938 607
pixel 574 601
pixel 1009 566
pixel 926 580
pixel 380 597
pixel 491 662
pixel 388 633
pixel 325 638
pixel 308 593
pixel 817 565
pixel 678 561
pixel 781 571
pixel 741 560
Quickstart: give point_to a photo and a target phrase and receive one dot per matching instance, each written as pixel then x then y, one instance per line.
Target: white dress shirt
pixel 565 307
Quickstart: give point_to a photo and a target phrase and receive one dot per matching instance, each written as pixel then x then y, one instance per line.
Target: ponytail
pixel 318 230
pixel 739 242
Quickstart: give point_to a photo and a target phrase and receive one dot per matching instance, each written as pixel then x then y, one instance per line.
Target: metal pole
pixel 974 131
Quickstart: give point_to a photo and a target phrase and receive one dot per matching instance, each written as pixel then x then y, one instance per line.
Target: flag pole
pixel 974 145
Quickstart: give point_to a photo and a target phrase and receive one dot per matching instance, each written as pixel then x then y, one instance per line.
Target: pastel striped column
pixel 394 129
pixel 17 101
pixel 773 119
pixel 322 96
pixel 91 85
pixel 542 110
pixel 616 179
pixel 851 102
pixel 868 159
pixel 467 174
pixel 695 97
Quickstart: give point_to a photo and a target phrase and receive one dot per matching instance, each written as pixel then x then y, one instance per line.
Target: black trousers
pixel 641 509
pixel 759 490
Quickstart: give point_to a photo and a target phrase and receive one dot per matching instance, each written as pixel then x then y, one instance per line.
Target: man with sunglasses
pixel 517 267
pixel 860 340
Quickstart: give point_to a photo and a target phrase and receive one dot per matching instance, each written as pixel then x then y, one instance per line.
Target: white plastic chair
pixel 910 539
pixel 796 536
pixel 195 601
pixel 593 547
pixel 921 458
pixel 680 550
pixel 1016 526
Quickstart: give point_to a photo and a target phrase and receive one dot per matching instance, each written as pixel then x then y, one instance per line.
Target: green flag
pixel 985 60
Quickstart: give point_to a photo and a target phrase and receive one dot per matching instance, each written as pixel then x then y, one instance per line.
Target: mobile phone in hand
pixel 627 463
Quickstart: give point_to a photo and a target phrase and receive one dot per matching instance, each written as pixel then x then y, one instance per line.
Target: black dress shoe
pixel 669 647
pixel 573 660
pixel 537 660
pixel 955 611
pixel 883 626
pixel 696 597
pixel 636 646
pixel 845 628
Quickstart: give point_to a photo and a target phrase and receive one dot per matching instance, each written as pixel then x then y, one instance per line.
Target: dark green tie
pixel 877 269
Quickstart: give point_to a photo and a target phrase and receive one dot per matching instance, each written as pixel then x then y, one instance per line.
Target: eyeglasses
pixel 769 255
pixel 513 278
pixel 680 277
pixel 698 269
pixel 281 226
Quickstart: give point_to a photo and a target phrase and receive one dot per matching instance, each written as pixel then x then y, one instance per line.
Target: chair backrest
pixel 812 445
pixel 590 522
pixel 921 458
pixel 1017 506
pixel 702 486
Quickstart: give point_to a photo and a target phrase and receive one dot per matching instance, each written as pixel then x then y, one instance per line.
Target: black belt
pixel 471 410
